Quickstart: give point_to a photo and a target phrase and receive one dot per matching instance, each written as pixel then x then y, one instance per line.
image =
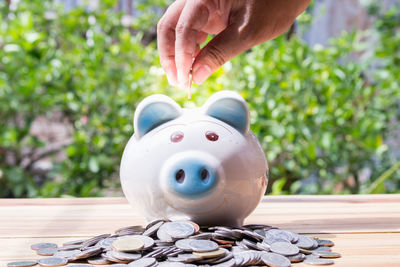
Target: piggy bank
pixel 202 164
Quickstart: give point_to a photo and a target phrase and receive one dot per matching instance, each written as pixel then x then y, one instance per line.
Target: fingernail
pixel 201 73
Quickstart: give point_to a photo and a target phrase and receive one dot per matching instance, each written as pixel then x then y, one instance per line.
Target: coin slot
pixel 180 176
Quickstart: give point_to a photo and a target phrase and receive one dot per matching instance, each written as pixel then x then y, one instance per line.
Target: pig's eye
pixel 212 136
pixel 176 136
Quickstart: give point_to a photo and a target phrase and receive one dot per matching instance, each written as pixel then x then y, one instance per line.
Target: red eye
pixel 212 136
pixel 176 136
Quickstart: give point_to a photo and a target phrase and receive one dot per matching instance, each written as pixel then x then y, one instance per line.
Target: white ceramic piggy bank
pixel 202 164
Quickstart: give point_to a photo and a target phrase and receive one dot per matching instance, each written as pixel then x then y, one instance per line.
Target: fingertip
pixel 200 73
pixel 169 68
pixel 171 80
pixel 181 80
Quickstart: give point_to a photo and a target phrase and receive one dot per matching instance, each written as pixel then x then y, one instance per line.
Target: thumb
pixel 219 50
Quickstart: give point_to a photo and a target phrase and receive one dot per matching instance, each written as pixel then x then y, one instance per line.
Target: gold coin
pixel 210 254
pixel 127 244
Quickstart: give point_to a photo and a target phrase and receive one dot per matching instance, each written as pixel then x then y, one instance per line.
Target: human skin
pixel 237 25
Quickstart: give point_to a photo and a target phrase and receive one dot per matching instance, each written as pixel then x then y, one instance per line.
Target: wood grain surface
pixel 365 228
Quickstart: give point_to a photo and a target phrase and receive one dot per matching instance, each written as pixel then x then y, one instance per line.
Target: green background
pixel 322 114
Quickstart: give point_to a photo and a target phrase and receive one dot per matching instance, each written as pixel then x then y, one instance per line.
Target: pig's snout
pixel 191 174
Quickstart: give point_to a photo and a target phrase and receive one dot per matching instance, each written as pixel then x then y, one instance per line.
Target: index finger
pixel 166 39
pixel 193 18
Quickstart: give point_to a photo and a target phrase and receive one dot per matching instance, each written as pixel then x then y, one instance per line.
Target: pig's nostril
pixel 180 176
pixel 205 176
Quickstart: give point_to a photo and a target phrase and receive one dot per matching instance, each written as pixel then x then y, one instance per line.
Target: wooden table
pixel 365 228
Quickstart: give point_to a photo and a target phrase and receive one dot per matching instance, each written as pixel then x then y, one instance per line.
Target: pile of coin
pixel 184 243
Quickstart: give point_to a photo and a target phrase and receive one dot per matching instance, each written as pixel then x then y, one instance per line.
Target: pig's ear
pixel 154 111
pixel 230 108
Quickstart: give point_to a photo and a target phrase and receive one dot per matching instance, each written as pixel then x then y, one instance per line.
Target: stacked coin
pixel 184 243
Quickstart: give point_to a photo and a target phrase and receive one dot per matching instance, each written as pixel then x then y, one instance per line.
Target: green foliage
pixel 321 116
pixel 82 63
pixel 319 119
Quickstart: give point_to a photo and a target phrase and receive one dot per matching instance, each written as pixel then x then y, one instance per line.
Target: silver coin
pixel 249 244
pixel 236 249
pixel 109 255
pixel 179 229
pixel 317 261
pixel 296 258
pixel 21 263
pixel 263 246
pixel 184 244
pixel 227 257
pixel 229 263
pixel 220 228
pixel 130 229
pixel 74 242
pixel 295 236
pixel 126 256
pixel 253 235
pixel 322 249
pixel 145 262
pixel 245 258
pixel 326 254
pixel 153 253
pixel 284 248
pixel 69 247
pixel 98 260
pixel 305 251
pixel 324 243
pixel 81 265
pixel 52 261
pixel 305 242
pixel 91 241
pixel 315 243
pixel 275 260
pixel 269 240
pixel 185 258
pixel 160 243
pixel 257 226
pixel 173 252
pixel 260 232
pixel 236 233
pixel 107 242
pixel 38 246
pixel 280 234
pixel 46 251
pixel 239 258
pixel 148 241
pixel 151 230
pixel 203 245
pixel 154 222
pixel 163 235
pixel 119 265
pixel 202 236
pixel 67 253
pixel 171 264
pixel 92 251
pixel 163 252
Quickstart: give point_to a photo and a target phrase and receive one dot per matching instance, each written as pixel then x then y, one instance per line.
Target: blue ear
pixel 154 111
pixel 230 108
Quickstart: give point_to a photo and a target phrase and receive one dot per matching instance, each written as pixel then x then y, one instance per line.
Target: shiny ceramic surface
pixel 202 164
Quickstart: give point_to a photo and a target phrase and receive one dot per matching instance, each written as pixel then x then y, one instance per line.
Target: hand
pixel 238 25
